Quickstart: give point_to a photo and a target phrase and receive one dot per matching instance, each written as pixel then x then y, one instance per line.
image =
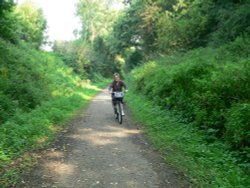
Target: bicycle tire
pixel 115 111
pixel 119 113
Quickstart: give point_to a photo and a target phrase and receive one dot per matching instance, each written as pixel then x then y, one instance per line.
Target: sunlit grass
pixel 36 129
pixel 185 147
pixel 56 95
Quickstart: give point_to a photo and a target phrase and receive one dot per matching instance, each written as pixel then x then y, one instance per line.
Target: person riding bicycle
pixel 117 85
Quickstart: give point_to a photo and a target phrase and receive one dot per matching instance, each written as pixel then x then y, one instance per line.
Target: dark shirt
pixel 117 86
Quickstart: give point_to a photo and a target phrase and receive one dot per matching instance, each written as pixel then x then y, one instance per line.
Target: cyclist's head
pixel 116 76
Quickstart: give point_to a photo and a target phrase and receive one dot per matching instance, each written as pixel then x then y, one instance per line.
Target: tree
pixel 5 5
pixel 32 24
pixel 7 21
pixel 93 49
pixel 97 18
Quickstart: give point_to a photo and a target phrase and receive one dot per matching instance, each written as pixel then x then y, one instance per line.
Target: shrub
pixel 203 86
pixel 7 107
pixel 22 80
pixel 238 125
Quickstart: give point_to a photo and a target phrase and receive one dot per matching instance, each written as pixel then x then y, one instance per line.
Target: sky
pixel 60 16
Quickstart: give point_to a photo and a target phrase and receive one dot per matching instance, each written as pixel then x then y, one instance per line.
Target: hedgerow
pixel 209 88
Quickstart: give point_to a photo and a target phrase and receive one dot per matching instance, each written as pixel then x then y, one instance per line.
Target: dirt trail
pixel 98 152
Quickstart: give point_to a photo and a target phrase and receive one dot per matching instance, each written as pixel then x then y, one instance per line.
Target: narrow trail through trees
pixel 96 151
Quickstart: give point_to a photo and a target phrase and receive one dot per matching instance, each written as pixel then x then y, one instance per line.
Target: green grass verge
pixel 205 165
pixel 25 132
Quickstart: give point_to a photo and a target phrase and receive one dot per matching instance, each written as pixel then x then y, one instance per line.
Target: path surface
pixel 98 152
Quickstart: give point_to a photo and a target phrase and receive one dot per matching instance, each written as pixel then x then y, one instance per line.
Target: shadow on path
pixel 96 151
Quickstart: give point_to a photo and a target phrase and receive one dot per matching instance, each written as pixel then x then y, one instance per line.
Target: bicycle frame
pixel 118 111
pixel 118 106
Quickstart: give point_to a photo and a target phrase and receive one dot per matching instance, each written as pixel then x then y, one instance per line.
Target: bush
pixel 202 86
pixel 233 21
pixel 238 125
pixel 38 92
pixel 7 107
pixel 185 147
pixel 23 82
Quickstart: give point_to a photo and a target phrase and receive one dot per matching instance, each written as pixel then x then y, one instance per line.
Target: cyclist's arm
pixel 111 87
pixel 125 86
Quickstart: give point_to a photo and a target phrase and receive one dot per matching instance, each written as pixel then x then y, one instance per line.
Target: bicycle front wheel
pixel 119 113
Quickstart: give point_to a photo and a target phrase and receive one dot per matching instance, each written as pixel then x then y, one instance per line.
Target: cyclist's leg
pixel 114 105
pixel 122 110
pixel 119 115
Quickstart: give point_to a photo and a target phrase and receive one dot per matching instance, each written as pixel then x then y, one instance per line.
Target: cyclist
pixel 117 85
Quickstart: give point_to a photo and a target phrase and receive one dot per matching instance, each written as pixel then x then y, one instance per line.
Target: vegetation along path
pixel 96 151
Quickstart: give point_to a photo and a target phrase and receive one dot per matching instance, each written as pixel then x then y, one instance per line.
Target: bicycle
pixel 118 108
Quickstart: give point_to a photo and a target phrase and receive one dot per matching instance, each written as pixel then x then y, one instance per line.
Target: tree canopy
pixel 91 52
pixel 32 24
pixel 22 23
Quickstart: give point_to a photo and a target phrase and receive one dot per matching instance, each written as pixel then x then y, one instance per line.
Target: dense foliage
pixel 210 90
pixel 23 84
pixel 38 91
pixel 7 21
pixel 198 53
pixel 32 24
pixel 22 23
pixel 163 27
pixel 193 60
pixel 185 147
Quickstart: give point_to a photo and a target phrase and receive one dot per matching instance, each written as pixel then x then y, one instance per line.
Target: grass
pixel 38 93
pixel 183 146
pixel 26 132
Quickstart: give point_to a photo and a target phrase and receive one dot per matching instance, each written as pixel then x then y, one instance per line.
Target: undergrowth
pixel 195 107
pixel 186 148
pixel 38 93
pixel 206 87
pixel 34 130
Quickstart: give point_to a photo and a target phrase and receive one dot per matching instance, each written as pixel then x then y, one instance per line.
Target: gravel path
pixel 96 151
